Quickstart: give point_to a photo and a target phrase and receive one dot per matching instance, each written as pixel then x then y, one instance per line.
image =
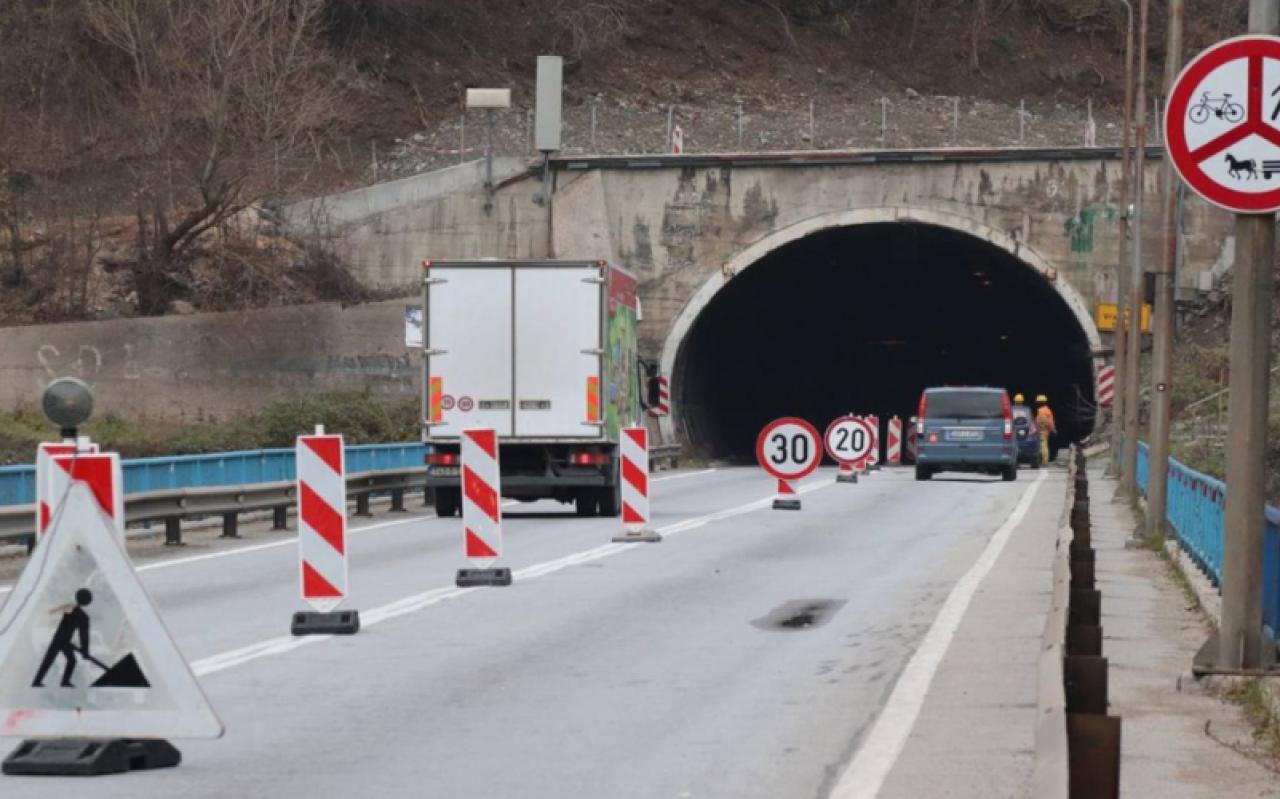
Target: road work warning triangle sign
pixel 83 651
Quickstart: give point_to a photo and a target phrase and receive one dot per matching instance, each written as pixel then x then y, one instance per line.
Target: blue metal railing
pixel 17 483
pixel 1195 511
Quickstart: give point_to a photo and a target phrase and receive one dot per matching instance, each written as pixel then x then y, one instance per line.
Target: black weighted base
pixel 473 577
pixel 846 477
pixel 645 536
pixel 89 757
pixel 786 504
pixel 338 622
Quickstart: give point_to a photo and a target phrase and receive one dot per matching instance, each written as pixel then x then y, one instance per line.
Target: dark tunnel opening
pixel 861 319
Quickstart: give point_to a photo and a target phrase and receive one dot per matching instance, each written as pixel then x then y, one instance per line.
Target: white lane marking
pixel 417 602
pixel 683 475
pixel 284 542
pixel 871 765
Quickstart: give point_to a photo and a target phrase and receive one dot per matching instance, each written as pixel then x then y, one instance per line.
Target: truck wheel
pixel 448 501
pixel 611 501
pixel 586 503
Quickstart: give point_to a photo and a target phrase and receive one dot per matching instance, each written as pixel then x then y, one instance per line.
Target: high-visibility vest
pixel 1044 418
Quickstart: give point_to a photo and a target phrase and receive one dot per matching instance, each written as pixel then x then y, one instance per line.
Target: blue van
pixel 965 430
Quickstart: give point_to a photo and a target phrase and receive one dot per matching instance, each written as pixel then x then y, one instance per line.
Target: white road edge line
pixel 418 602
pixel 164 564
pixel 871 764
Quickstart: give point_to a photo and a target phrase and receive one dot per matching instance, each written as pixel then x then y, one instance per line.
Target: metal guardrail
pixel 240 467
pixel 1196 510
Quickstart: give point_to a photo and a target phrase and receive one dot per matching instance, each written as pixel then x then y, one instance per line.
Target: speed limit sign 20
pixel 788 448
pixel 849 439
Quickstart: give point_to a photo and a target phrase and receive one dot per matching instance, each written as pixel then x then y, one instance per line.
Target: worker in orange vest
pixel 1044 420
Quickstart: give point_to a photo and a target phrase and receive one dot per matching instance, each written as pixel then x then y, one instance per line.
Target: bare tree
pixel 225 96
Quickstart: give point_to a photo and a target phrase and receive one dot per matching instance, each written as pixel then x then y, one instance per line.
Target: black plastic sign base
pixel 468 578
pixel 89 757
pixel 338 622
pixel 645 536
pixel 786 504
pixel 847 477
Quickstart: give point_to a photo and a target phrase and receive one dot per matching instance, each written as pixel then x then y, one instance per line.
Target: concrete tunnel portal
pixel 861 318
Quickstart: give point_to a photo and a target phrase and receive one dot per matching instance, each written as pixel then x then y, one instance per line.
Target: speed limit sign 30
pixel 849 441
pixel 788 449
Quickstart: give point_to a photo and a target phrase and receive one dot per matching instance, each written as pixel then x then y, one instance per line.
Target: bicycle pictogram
pixel 1221 107
pixel 1234 165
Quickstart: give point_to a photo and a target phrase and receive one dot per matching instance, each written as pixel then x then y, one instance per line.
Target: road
pixel 744 656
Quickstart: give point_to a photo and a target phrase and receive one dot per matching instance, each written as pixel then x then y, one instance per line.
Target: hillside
pixel 140 139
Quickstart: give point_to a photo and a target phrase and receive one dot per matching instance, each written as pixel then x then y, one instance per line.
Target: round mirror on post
pixel 68 403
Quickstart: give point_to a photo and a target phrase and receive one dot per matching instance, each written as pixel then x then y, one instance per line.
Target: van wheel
pixel 448 501
pixel 1009 473
pixel 1035 462
pixel 923 472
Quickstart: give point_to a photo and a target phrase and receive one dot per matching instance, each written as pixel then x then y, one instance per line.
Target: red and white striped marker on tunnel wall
pixel 663 408
pixel 102 473
pixel 1106 384
pixel 481 514
pixel 634 448
pixel 893 445
pixel 322 520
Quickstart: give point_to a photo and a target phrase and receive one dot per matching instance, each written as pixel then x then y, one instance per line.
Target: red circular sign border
pixel 865 426
pixel 764 434
pixel 1180 98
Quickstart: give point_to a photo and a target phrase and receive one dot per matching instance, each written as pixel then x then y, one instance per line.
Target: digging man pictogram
pixel 75 622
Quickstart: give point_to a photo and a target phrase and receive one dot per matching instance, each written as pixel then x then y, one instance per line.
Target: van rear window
pixel 964 405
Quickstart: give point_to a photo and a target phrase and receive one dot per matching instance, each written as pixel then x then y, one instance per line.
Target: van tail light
pixel 589 458
pixel 1008 417
pixel 442 459
pixel 920 416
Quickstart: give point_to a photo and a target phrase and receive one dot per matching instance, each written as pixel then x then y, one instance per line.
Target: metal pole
pixel 1240 636
pixel 884 122
pixel 1133 351
pixel 488 161
pixel 955 121
pixel 1162 322
pixel 1119 336
pixel 1022 123
pixel 739 112
pixel 813 142
pixel 593 127
pixel 462 138
pixel 671 113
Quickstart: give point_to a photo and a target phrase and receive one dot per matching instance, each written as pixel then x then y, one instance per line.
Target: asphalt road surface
pixel 744 656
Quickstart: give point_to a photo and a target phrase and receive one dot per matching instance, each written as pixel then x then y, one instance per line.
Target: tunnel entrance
pixel 863 318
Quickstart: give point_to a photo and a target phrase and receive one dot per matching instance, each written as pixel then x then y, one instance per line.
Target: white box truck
pixel 543 352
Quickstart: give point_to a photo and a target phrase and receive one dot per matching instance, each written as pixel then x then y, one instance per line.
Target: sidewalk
pixel 1150 632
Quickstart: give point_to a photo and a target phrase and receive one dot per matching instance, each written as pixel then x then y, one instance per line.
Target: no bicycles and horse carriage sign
pixel 1222 124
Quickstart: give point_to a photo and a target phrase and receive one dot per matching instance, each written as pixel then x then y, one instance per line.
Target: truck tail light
pixel 1008 417
pixel 442 459
pixel 589 458
pixel 920 416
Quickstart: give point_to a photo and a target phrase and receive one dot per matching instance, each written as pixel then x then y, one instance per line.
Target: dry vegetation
pixel 143 143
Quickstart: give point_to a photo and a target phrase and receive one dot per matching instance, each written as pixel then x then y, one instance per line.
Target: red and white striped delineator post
pixel 322 535
pixel 634 448
pixel 481 511
pixel 102 473
pixel 873 461
pixel 893 445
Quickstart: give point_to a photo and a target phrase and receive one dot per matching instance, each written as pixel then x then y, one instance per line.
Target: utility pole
pixel 1133 354
pixel 1119 334
pixel 1240 635
pixel 1162 322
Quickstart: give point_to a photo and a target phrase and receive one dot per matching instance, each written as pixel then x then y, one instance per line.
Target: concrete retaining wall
pixel 214 365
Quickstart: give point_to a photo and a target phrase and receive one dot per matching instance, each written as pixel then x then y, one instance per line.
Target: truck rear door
pixel 558 338
pixel 469 339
